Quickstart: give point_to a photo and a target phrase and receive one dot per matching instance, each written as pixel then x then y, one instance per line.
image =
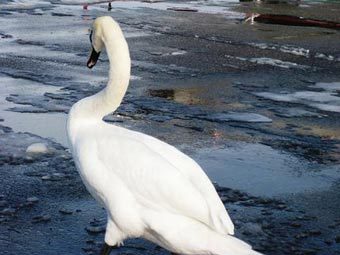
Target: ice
pixel 327 107
pixel 295 112
pixel 25 146
pixel 327 57
pixel 271 62
pixel 156 68
pixel 326 100
pixel 136 33
pixel 37 148
pixel 237 117
pixel 32 92
pixel 328 86
pixel 24 5
pixel 294 50
pixel 297 97
pixel 176 53
pixel 276 97
pixel 277 62
pixel 35 51
pixel 211 7
pixel 299 51
pixel 322 97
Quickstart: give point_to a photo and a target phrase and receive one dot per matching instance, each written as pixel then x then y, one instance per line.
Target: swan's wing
pixel 163 177
pixel 188 167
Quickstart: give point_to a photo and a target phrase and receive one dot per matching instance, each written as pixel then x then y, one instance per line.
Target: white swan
pixel 149 188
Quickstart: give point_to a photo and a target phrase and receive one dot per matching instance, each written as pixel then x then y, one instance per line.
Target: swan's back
pixel 148 165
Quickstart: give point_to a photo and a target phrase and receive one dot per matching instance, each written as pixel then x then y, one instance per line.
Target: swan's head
pixel 97 38
pixel 105 32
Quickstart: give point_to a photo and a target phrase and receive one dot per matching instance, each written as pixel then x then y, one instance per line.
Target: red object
pixel 295 21
pixel 85 6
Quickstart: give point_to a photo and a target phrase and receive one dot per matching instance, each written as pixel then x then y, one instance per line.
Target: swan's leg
pixel 106 249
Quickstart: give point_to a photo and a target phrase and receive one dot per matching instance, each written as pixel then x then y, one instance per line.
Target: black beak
pixel 93 58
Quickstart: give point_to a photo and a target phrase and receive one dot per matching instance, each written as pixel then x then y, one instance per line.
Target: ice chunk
pixel 327 107
pixel 180 52
pixel 328 86
pixel 37 148
pixel 271 62
pixel 327 100
pixel 277 62
pixel 290 49
pixel 237 116
pixel 295 112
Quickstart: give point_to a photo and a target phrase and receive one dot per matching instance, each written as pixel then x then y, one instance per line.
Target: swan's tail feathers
pixel 184 235
pixel 217 244
pixel 228 245
pixel 225 224
pixel 233 246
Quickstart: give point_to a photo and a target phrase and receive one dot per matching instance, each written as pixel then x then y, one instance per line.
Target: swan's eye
pixel 91 36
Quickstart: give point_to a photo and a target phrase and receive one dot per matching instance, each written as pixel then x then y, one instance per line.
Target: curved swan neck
pixel 108 100
pixel 93 109
pixel 119 74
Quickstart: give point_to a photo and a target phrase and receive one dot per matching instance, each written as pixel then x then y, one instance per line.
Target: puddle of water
pixel 49 125
pixel 184 96
pixel 211 92
pixel 261 170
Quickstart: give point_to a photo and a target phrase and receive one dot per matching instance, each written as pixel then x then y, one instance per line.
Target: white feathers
pixel 149 188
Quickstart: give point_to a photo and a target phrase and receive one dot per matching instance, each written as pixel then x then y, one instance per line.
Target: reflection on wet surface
pixel 234 167
pixel 255 104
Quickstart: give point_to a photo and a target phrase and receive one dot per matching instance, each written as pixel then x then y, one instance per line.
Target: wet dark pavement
pixel 257 105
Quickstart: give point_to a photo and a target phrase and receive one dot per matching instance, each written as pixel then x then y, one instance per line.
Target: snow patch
pixel 37 148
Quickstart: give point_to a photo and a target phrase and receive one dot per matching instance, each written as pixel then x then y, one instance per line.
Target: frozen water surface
pixel 327 100
pixel 24 5
pixel 29 122
pixel 328 86
pixel 284 48
pixel 238 117
pixel 273 62
pixel 210 7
